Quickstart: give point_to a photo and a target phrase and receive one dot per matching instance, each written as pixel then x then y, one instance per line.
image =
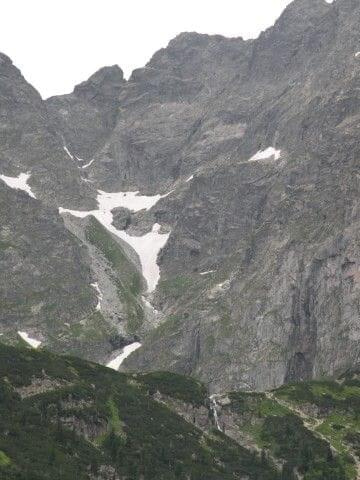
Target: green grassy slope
pixel 311 428
pixel 64 418
pixel 128 279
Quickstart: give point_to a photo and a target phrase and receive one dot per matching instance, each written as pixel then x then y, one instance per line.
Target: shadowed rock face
pixel 30 143
pixel 260 276
pixel 86 116
pixel 45 286
pixel 45 281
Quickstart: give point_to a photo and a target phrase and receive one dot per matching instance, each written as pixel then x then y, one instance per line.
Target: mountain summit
pixel 207 208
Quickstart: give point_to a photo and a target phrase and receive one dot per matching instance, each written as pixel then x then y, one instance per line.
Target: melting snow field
pixel 131 200
pixel 128 350
pixel 147 246
pixel 31 341
pixel 19 183
pixel 266 154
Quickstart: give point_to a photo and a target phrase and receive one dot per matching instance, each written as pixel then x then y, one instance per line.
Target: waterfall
pixel 214 408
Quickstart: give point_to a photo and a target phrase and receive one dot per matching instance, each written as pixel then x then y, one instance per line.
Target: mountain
pixel 87 116
pixel 46 278
pixel 64 418
pixel 236 262
pixel 49 290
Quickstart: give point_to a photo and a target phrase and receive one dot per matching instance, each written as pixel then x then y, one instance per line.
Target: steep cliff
pixel 244 235
pixel 272 209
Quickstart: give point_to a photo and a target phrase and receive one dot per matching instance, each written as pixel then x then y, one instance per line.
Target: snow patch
pixel 31 341
pixel 68 152
pixel 207 273
pixel 86 180
pixel 266 154
pixel 73 157
pixel 99 296
pixel 77 213
pixel 126 351
pixel 225 284
pixel 19 182
pixel 147 246
pixel 130 200
pixel 219 289
pixel 88 164
pixel 149 305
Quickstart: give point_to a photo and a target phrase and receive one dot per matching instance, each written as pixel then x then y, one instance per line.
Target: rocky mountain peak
pixel 106 82
pixel 305 9
pixel 185 40
pixel 189 52
pixel 4 59
pixel 87 115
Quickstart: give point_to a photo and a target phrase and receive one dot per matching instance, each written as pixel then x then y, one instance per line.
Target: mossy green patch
pixel 288 439
pixel 94 328
pixel 4 459
pixel 171 325
pixel 175 287
pixel 325 394
pixel 275 428
pixel 253 409
pixel 177 386
pixel 115 422
pixel 5 245
pixel 98 236
pixel 337 426
pixel 127 279
pixel 257 404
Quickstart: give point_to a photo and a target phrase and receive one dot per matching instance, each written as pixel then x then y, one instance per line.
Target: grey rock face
pixel 276 235
pixel 45 281
pixel 260 276
pixel 122 218
pixel 86 116
pixel 30 143
pixel 47 273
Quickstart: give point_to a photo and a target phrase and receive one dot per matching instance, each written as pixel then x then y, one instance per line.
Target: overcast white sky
pixel 59 43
